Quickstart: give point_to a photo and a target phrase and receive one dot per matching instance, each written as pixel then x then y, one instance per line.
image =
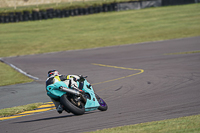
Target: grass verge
pixel 18 109
pixel 189 124
pixel 11 76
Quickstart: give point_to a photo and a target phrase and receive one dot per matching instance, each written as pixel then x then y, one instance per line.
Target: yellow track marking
pixel 11 117
pixel 141 71
pixel 47 105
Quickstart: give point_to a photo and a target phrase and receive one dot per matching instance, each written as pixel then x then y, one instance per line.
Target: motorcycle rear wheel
pixel 69 106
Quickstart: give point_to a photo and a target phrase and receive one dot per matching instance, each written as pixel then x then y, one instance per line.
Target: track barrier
pixel 58 13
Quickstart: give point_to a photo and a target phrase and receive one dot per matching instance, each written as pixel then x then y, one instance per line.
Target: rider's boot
pixel 59 109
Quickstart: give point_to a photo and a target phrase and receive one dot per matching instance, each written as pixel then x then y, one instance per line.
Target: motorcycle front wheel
pixel 103 106
pixel 70 106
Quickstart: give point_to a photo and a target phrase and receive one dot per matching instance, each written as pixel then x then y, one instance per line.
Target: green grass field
pixel 100 30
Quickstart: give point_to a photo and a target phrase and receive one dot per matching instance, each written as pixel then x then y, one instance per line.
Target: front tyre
pixel 103 106
pixel 69 106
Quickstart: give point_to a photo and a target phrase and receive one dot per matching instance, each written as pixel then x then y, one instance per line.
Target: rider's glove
pixel 74 85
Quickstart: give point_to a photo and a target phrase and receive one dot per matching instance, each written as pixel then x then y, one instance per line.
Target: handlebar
pixel 82 78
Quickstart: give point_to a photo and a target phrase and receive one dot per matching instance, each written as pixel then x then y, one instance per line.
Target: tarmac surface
pixel 139 82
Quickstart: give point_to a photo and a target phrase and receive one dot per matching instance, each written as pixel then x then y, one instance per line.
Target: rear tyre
pixel 71 107
pixel 103 106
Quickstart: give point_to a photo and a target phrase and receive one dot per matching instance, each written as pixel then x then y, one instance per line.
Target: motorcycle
pixel 76 101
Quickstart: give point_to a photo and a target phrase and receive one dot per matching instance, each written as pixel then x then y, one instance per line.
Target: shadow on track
pixel 51 118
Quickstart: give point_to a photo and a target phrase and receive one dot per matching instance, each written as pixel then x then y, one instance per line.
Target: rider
pixel 53 76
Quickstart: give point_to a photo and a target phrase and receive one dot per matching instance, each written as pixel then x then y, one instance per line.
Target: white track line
pixel 19 70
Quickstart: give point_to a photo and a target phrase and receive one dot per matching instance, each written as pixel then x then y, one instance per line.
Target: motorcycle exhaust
pixel 73 92
pixel 70 91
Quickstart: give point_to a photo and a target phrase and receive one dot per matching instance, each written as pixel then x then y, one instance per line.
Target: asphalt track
pixel 140 83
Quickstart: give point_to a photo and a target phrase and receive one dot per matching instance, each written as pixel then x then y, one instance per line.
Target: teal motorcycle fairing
pixel 92 103
pixel 53 90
